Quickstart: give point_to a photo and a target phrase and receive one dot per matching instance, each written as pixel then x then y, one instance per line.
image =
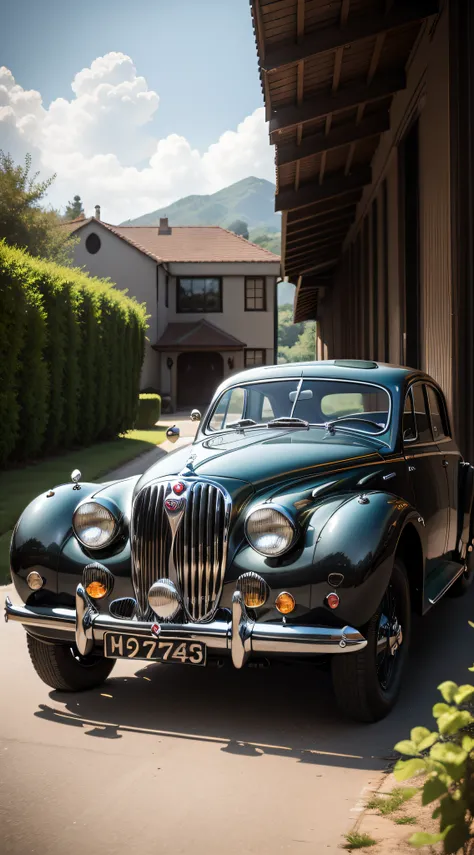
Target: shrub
pixel 149 411
pixel 446 758
pixel 71 350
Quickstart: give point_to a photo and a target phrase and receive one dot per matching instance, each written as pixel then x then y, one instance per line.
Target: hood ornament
pixel 75 478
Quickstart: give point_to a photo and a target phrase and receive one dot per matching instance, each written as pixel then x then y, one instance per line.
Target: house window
pixel 93 243
pixel 255 294
pixel 254 357
pixel 167 291
pixel 199 294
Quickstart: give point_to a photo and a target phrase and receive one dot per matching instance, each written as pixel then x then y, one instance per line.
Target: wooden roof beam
pixel 321 209
pixel 310 254
pixel 284 118
pixel 373 125
pixel 364 27
pixel 339 231
pixel 287 200
pixel 346 216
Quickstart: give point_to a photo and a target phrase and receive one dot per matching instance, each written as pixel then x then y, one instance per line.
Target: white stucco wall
pixel 256 329
pixel 131 270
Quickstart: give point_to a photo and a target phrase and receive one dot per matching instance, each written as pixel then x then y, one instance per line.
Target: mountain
pixel 252 200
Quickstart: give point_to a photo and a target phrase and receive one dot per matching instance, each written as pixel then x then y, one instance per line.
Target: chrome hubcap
pixel 389 639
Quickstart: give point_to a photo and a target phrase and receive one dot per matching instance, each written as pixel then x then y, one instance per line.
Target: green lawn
pixel 20 485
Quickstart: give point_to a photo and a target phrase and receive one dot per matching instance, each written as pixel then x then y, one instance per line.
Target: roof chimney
pixel 164 228
pixel 97 212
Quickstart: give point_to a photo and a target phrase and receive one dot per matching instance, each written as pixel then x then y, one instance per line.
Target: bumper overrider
pixel 241 635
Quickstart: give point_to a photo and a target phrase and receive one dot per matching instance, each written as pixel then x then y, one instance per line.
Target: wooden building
pixel 370 106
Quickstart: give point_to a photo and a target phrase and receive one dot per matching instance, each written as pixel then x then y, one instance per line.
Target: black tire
pixel 61 667
pixel 462 585
pixel 367 683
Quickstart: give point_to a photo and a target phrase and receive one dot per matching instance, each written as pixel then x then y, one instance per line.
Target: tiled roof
pixel 196 335
pixel 186 243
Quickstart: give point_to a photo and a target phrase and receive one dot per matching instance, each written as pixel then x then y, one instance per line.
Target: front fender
pixel 359 541
pixel 43 539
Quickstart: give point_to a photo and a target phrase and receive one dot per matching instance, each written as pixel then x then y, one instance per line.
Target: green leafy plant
pixel 445 757
pixel 149 410
pixel 359 841
pixel 392 801
pixel 71 350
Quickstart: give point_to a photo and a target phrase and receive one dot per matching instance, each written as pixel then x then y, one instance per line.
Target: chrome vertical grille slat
pixel 150 543
pixel 199 548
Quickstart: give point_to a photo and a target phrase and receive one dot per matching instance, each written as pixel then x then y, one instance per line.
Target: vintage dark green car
pixel 319 504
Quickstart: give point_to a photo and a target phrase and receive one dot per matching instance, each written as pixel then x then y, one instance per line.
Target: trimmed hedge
pixel 71 351
pixel 149 411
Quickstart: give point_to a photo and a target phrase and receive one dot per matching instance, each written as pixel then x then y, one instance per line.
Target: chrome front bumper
pixel 242 636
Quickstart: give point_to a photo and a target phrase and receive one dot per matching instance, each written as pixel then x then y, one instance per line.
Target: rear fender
pixel 359 541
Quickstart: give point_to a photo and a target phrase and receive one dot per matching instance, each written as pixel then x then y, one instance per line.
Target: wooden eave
pixel 329 71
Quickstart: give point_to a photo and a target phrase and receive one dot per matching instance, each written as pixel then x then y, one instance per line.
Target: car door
pixel 427 473
pixel 451 459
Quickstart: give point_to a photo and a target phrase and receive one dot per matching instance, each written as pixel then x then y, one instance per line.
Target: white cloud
pixel 99 143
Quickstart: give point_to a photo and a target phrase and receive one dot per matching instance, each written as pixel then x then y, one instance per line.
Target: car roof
pixel 381 373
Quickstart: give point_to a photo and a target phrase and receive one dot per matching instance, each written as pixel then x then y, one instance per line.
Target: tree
pixel 240 227
pixel 288 332
pixel 74 209
pixel 23 221
pixel 304 349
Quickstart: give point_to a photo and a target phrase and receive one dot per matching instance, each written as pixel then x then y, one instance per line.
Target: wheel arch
pixel 410 550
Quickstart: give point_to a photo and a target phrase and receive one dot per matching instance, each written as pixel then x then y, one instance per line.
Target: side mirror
pixel 196 416
pixel 172 433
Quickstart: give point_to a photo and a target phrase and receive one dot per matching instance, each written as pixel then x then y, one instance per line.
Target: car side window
pixel 423 426
pixel 409 425
pixel 229 409
pixel 437 411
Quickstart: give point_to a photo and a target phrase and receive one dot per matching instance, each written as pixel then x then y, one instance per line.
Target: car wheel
pixel 62 667
pixel 462 585
pixel 367 683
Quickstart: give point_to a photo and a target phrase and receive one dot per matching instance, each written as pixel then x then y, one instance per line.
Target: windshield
pixel 359 406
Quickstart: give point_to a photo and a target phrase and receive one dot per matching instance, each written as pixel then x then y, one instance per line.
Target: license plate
pixel 120 646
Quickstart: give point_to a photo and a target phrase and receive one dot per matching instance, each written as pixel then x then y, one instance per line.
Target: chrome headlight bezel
pixel 282 511
pixel 109 513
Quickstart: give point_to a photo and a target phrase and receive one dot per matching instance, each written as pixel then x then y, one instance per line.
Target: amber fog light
pixel 332 600
pixel 254 590
pixel 97 580
pixel 96 590
pixel 34 580
pixel 285 603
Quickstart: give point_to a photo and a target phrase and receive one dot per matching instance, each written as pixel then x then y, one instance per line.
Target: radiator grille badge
pixel 173 505
pixel 156 629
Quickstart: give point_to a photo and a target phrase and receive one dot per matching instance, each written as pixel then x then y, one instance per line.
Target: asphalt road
pixel 174 759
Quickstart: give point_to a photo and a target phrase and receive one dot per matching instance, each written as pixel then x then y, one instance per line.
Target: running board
pixel 441 580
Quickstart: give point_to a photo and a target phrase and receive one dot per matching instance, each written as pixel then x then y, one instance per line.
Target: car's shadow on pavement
pixel 288 710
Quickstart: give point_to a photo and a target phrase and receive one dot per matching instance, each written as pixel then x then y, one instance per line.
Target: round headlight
pixel 269 531
pixel 94 525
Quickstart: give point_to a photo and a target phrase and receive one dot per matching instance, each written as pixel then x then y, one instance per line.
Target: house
pixel 210 295
pixel 371 110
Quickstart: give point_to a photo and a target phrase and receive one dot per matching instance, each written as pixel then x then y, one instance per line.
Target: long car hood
pixel 260 459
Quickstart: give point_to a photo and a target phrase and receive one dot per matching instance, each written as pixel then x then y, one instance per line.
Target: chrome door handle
pixel 445 462
pixel 412 468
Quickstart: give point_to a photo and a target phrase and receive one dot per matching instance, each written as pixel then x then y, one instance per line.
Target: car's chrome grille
pixel 195 559
pixel 151 543
pixel 200 549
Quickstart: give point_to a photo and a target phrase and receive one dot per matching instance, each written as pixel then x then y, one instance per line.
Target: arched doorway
pixel 199 374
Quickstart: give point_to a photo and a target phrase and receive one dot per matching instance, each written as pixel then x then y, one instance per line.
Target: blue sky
pixel 199 55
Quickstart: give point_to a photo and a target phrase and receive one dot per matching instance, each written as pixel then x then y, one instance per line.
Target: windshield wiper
pixel 288 422
pixel 331 426
pixel 242 423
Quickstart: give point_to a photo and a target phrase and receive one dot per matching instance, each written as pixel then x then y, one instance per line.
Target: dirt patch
pixel 393 831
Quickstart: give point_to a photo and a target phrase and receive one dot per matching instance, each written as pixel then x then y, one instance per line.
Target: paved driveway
pixel 165 760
